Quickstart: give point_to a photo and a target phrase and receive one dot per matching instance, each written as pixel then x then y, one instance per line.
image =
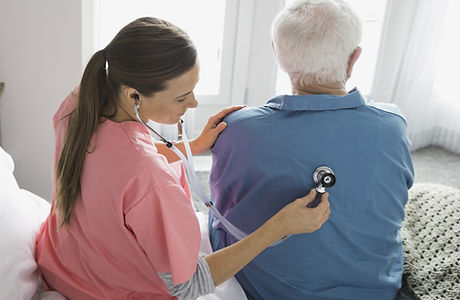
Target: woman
pixel 122 224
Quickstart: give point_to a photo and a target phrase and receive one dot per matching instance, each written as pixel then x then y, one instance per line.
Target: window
pixel 372 14
pixel 209 23
pixel 233 42
pixel 445 79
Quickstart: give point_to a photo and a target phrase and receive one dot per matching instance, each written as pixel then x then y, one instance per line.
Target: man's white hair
pixel 313 40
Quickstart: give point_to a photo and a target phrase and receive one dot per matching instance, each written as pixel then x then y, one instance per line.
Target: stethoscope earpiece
pixel 169 144
pixel 136 97
pixel 324 177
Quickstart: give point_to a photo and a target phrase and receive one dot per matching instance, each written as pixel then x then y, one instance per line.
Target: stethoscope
pixel 191 173
pixel 323 176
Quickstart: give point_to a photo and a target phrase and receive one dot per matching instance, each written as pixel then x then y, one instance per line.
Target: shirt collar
pixel 317 102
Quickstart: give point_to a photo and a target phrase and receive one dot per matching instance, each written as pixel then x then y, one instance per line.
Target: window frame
pixel 89 38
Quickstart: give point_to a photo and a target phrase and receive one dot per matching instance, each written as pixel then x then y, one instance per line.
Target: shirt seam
pixel 151 190
pixel 388 112
pixel 255 117
pixel 155 184
pixel 141 166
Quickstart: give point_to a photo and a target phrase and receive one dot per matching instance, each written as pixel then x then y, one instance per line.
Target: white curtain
pixel 425 87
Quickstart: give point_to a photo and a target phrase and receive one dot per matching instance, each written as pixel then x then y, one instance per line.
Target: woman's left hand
pixel 211 131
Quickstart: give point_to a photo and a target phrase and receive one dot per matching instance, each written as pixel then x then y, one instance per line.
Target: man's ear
pixel 352 60
pixel 273 47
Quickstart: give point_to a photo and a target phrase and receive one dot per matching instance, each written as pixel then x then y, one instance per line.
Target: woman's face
pixel 168 106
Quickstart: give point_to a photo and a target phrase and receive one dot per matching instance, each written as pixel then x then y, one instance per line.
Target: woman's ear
pixel 352 60
pixel 129 94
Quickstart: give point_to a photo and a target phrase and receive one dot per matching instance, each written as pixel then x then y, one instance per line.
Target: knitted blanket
pixel 431 239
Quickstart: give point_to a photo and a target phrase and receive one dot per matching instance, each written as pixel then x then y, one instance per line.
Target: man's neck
pixel 334 88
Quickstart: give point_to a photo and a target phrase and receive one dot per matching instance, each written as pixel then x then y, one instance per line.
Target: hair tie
pixel 106 62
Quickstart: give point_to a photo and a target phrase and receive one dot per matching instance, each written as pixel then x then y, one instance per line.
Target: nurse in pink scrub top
pixel 122 224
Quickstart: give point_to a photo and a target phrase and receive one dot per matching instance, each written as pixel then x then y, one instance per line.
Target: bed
pixel 21 214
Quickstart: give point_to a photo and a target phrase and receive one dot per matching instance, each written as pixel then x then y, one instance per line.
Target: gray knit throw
pixel 431 239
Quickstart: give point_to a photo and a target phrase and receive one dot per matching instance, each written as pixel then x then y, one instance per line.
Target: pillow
pixel 21 214
pixel 431 241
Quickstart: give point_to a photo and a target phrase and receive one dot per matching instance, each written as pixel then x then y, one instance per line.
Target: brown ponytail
pixel 144 55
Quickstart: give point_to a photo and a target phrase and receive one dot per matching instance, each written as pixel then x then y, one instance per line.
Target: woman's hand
pixel 297 218
pixel 294 218
pixel 205 141
pixel 211 131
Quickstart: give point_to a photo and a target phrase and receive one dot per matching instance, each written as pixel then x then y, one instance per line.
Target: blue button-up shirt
pixel 265 159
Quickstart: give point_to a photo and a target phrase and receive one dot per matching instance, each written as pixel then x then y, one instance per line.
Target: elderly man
pixel 274 149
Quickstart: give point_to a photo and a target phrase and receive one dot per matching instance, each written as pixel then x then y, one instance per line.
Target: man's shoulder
pixel 389 108
pixel 247 114
pixel 243 125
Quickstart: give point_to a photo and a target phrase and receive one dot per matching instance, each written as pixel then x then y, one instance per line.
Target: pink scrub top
pixel 133 219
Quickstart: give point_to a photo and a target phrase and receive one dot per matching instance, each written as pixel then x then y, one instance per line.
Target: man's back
pixel 265 159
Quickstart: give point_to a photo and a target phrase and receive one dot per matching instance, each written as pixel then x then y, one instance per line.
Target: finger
pixel 326 215
pixel 217 118
pixel 226 111
pixel 324 204
pixel 309 197
pixel 220 127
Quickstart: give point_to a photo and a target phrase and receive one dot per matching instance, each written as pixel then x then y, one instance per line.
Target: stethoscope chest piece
pixel 324 177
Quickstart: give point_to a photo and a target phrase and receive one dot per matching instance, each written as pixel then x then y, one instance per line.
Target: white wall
pixel 40 62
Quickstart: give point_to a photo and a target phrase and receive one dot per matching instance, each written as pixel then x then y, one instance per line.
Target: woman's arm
pixel 217 267
pixel 205 140
pixel 294 218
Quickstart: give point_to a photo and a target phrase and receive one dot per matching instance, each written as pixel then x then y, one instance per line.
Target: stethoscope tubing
pixel 192 178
